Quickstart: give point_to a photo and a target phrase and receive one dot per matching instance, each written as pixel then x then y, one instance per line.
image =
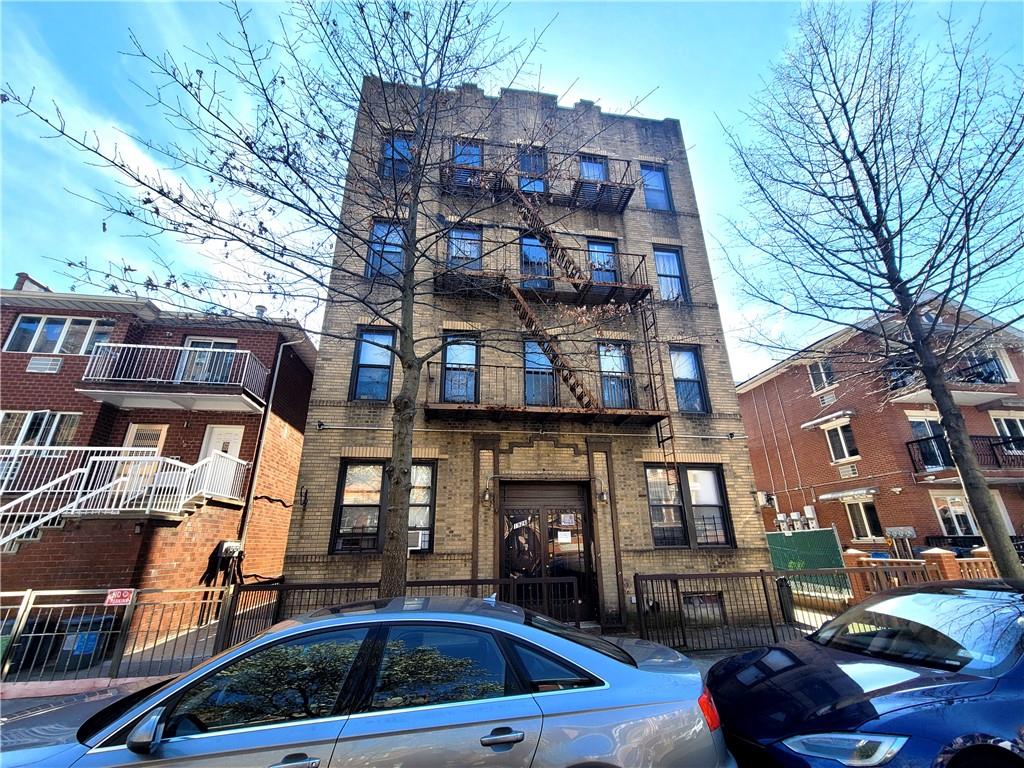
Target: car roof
pixel 950 587
pixel 428 607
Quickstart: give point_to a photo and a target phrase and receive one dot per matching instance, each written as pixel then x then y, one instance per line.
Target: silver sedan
pixel 408 682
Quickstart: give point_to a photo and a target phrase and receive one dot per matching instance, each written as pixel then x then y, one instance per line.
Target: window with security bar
pixel 693 510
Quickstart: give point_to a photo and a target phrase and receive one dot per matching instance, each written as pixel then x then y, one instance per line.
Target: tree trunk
pixel 395 557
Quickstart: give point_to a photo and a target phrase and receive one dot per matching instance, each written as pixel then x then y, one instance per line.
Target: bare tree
pixel 316 171
pixel 885 197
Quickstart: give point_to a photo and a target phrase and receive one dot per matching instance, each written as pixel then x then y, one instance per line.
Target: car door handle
pixel 298 761
pixel 502 736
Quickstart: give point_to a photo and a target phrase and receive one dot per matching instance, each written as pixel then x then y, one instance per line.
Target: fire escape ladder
pixel 547 344
pixel 530 215
pixel 664 429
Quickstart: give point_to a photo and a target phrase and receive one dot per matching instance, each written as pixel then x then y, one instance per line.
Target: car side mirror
pixel 145 736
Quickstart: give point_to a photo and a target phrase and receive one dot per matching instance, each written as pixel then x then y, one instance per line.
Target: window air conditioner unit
pixel 419 540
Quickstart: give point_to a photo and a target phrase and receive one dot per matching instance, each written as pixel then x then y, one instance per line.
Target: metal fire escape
pixel 581 283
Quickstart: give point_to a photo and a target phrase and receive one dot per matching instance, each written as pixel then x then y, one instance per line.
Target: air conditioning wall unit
pixel 765 499
pixel 419 541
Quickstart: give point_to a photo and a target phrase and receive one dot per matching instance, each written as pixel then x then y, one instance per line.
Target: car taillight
pixel 707 706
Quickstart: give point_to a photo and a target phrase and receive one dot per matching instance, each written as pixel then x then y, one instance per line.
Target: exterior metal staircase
pixel 529 318
pixel 110 484
pixel 530 214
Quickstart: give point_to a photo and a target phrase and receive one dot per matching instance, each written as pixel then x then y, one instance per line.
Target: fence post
pixel 122 636
pixel 226 621
pixel 575 602
pixel 944 563
pixel 768 605
pixel 21 618
pixel 858 586
pixel 641 624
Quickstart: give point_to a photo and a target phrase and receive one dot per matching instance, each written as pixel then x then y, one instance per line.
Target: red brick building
pixel 134 441
pixel 865 453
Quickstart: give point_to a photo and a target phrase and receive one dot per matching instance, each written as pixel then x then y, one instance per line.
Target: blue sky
pixel 705 60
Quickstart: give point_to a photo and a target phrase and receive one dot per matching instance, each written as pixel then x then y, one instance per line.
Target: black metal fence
pixel 255 607
pixel 50 635
pixel 77 634
pixel 714 611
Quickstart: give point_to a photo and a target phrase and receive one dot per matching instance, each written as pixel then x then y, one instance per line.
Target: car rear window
pixel 566 632
pixel 971 630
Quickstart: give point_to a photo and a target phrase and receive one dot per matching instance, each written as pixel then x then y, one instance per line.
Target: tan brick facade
pixel 478 453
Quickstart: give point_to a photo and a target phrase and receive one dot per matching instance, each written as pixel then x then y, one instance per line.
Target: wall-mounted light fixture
pixel 487 495
pixel 601 493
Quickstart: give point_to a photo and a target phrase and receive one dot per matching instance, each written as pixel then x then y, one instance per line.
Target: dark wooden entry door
pixel 546 530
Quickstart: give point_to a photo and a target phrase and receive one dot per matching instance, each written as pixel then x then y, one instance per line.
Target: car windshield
pixel 566 632
pixel 970 630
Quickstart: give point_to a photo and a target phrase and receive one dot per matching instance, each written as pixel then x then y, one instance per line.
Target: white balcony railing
pixel 25 468
pixel 145 364
pixel 121 483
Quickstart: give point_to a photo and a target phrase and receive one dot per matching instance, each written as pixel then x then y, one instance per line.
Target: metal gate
pixel 715 611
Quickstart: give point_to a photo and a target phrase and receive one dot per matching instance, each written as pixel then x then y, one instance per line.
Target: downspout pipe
pixel 243 528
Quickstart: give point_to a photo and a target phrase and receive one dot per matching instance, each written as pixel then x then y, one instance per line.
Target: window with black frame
pixel 692 509
pixel 616 375
pixel 671 277
pixel 362 497
pixel 539 385
pixel 532 167
pixel 371 379
pixel 534 262
pixel 465 248
pixel 666 507
pixel 386 245
pixel 603 266
pixel 461 365
pixel 656 192
pixel 396 158
pixel 688 376
pixel 707 498
pixel 468 158
pixel 593 168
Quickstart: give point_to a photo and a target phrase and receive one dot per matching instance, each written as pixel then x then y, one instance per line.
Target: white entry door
pixel 222 478
pixel 226 438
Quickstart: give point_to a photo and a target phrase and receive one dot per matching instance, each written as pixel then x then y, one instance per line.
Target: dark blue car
pixel 930 677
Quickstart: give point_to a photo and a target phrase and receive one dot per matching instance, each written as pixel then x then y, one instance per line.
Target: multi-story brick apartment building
pixel 834 444
pixel 549 448
pixel 128 438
